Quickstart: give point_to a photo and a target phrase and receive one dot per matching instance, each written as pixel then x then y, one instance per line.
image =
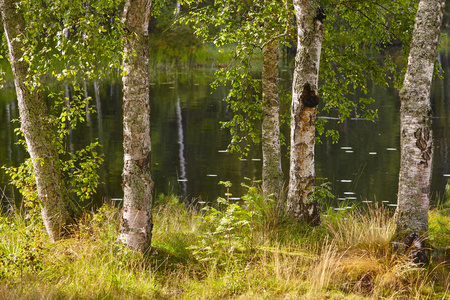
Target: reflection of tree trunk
pixel 137 183
pixel 37 131
pixel 98 105
pixel 177 7
pixel 303 112
pixel 15 138
pixel 70 137
pixel 181 149
pixel 8 131
pixel 416 135
pixel 86 96
pixel 272 175
pixel 101 137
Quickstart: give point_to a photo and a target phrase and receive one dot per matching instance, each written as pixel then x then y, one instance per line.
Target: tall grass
pixel 347 257
pixel 370 230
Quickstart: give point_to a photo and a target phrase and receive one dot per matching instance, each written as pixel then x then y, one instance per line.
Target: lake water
pixel 189 155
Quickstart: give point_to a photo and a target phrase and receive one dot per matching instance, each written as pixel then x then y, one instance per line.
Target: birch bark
pixel 37 131
pixel 137 183
pixel 416 134
pixel 272 174
pixel 303 111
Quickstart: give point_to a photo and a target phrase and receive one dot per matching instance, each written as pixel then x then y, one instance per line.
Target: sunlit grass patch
pixel 348 257
pixel 91 263
pixel 359 259
pixel 439 228
pixel 370 229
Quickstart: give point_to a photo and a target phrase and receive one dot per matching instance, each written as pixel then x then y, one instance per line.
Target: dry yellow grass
pixel 348 257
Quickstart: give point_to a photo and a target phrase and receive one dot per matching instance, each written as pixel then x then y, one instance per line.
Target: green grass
pixel 233 255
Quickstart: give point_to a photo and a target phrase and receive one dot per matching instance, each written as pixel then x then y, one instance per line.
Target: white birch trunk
pixel 272 175
pixel 137 183
pixel 303 112
pixel 416 135
pixel 37 132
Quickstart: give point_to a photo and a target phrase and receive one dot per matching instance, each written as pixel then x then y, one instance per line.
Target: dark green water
pixel 188 145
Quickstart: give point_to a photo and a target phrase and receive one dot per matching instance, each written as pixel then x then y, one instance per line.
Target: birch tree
pixel 342 45
pixel 137 224
pixel 272 174
pixel 62 41
pixel 416 132
pixel 35 127
pixel 250 27
pixel 355 28
pixel 305 99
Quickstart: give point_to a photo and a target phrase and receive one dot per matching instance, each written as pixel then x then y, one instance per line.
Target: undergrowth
pixel 244 250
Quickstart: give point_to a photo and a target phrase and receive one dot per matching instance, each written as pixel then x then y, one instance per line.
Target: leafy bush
pixel 21 250
pixel 229 233
pixel 79 167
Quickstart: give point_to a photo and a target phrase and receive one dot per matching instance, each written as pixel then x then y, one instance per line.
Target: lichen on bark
pixel 272 174
pixel 137 183
pixel 416 134
pixel 37 132
pixel 302 173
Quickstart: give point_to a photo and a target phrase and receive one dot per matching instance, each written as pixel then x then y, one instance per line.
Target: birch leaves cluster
pixel 63 41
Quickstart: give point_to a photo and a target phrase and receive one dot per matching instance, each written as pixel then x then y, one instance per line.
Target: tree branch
pixel 286 31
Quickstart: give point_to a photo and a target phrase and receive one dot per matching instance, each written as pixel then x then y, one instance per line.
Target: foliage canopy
pixel 354 31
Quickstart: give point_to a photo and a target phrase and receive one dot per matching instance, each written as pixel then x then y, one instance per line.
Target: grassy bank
pixel 238 252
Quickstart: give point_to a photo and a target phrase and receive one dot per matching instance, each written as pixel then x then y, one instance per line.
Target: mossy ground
pixel 250 257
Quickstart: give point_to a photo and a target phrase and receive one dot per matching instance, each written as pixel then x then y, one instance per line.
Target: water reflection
pixel 182 177
pixel 189 154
